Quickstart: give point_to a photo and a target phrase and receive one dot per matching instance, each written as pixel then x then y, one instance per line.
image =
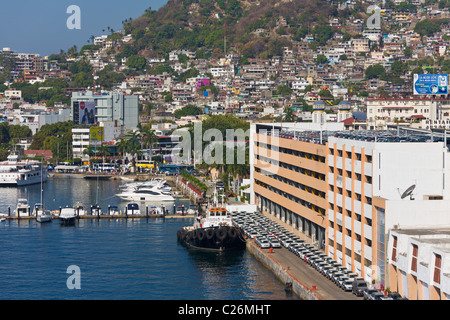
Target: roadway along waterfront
pixel 287 266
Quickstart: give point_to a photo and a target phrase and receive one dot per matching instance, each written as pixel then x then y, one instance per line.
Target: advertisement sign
pixel 430 83
pixel 86 112
pixel 96 133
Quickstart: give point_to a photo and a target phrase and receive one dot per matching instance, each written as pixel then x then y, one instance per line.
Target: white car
pixel 263 243
pixel 347 285
pixel 274 243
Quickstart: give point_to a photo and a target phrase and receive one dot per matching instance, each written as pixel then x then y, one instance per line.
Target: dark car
pixel 358 287
pixel 395 296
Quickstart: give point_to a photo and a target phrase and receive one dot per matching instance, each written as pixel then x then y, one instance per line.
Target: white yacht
pixel 41 214
pixel 153 183
pixel 67 216
pixel 23 208
pixel 146 194
pixel 21 173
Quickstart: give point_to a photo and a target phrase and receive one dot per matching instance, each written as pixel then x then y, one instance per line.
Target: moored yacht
pixel 14 172
pixel 151 194
pixel 41 214
pixel 67 216
pixel 23 208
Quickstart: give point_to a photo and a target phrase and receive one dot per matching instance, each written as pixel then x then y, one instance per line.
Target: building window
pixel 414 258
pixel 394 250
pixel 437 269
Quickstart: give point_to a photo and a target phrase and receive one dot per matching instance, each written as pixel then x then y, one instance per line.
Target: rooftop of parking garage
pixel 391 136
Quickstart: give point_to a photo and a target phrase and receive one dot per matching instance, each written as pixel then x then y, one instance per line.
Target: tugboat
pixel 214 232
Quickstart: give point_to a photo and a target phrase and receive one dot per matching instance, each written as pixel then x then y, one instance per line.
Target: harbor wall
pixel 282 274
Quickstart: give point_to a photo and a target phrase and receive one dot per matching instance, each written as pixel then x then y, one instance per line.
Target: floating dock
pixel 122 216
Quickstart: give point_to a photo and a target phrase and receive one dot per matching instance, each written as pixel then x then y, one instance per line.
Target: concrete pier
pixel 307 283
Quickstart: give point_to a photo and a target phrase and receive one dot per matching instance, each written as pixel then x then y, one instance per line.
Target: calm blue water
pixel 118 259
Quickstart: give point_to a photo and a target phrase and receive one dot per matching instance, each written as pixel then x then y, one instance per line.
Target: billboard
pixel 430 83
pixel 96 134
pixel 86 112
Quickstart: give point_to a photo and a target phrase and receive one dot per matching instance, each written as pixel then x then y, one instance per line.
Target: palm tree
pixel 288 115
pixel 122 146
pixel 103 151
pixel 90 151
pixel 134 148
pixel 148 139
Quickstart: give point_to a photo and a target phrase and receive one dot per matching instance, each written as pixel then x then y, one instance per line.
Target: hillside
pixel 192 24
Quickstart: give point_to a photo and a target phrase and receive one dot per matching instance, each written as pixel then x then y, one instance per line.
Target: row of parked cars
pixel 268 234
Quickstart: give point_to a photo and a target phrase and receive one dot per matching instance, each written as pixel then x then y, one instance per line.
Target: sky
pixel 40 26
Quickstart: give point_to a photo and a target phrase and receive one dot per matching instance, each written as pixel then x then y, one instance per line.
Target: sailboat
pixel 39 210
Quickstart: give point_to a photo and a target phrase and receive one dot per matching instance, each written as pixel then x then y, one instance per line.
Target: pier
pixel 306 282
pixel 104 216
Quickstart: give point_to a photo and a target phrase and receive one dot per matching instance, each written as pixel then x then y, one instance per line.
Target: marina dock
pixel 122 216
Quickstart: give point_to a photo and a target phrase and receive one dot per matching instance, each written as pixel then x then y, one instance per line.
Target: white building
pixel 368 180
pixel 384 112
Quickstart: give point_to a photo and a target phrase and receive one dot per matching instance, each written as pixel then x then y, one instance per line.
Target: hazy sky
pixel 40 26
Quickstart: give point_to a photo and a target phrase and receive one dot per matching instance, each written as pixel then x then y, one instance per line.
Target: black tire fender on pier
pixel 209 233
pixel 201 234
pixel 221 233
pixel 232 233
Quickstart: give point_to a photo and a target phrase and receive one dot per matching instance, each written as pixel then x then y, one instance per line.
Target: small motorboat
pixel 67 216
pixel 113 210
pixel 132 208
pixel 96 210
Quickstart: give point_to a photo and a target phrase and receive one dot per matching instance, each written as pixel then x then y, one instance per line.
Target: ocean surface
pixel 134 259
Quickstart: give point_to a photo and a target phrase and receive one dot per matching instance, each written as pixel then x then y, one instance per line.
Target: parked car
pixel 262 242
pixel 395 295
pixel 325 269
pixel 274 243
pixel 368 293
pixel 339 281
pixel 347 285
pixel 335 277
pixel 376 296
pixel 358 287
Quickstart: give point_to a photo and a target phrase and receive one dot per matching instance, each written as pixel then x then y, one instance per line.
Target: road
pixel 309 276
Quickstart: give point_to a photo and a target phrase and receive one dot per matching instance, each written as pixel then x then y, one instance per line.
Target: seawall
pixel 281 273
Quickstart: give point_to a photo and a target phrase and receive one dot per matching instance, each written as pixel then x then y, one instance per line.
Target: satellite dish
pixel 408 191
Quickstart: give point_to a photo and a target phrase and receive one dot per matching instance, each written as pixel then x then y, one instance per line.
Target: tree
pixel 284 90
pixel 321 59
pixel 133 143
pixel 325 93
pixel 375 71
pixel 168 98
pixel 188 110
pixel 398 67
pixel 288 115
pixel 148 137
pixel 136 62
pixel 427 27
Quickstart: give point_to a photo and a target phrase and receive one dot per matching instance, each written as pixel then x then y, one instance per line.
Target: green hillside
pixel 194 24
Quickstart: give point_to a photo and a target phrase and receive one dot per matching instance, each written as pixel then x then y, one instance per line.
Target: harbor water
pixel 132 259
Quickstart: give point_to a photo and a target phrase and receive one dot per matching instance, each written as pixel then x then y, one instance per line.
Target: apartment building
pixel 383 112
pixel 368 175
pixel 289 177
pixel 344 190
pixel 106 106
